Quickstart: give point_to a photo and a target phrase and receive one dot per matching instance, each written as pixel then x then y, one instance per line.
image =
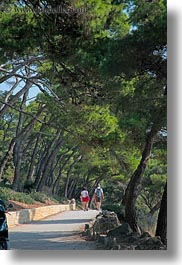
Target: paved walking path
pixel 58 232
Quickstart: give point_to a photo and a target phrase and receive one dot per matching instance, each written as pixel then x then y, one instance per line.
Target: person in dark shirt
pixel 98 196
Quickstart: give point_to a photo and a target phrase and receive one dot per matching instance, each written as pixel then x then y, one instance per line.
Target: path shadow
pixel 66 221
pixel 49 241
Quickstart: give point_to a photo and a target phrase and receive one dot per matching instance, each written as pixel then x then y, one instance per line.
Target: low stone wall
pixel 35 214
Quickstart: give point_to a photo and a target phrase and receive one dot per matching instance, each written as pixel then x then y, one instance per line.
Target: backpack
pixel 98 192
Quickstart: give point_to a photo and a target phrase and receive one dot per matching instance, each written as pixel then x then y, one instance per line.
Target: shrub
pixel 4 194
pixel 22 197
pixel 8 194
pixel 39 196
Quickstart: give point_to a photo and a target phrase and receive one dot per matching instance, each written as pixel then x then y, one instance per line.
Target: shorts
pixel 97 199
pixel 85 199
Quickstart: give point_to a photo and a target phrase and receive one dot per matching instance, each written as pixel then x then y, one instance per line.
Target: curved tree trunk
pixel 10 92
pixel 134 186
pixel 15 97
pixel 161 229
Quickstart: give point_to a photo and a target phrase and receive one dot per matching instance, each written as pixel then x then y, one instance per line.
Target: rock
pixel 125 247
pixel 132 239
pixel 152 243
pixel 103 239
pixel 107 213
pixel 113 235
pixel 72 201
pixel 105 222
pixel 117 247
pixel 145 234
pixel 120 231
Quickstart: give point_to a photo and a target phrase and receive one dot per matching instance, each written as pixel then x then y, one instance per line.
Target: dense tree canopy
pixel 100 114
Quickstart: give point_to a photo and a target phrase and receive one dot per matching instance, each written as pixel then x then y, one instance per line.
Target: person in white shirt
pixel 84 197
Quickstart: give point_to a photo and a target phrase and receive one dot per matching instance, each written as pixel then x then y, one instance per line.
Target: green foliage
pixel 98 125
pixel 104 18
pixel 19 33
pixel 113 192
pixel 21 197
pixel 103 74
pixel 112 207
pixel 39 196
pixel 9 194
pixel 4 193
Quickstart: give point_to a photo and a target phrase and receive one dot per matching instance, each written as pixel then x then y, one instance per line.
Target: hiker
pixel 85 199
pixel 98 196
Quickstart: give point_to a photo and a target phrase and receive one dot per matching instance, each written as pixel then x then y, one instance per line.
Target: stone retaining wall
pixel 35 214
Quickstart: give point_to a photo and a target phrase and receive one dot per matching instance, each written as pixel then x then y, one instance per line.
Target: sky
pixel 33 91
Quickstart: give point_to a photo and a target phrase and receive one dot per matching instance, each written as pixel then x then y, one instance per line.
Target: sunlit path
pixel 57 232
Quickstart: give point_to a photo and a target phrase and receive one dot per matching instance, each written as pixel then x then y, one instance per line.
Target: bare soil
pixel 20 205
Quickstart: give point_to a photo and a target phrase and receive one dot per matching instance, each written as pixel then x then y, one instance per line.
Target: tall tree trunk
pixel 53 152
pixel 161 229
pixel 150 217
pixel 7 156
pixel 72 188
pixel 17 152
pixel 134 186
pixel 154 209
pixel 31 170
pixel 68 175
pixel 31 167
pixel 24 131
pixel 48 170
pixel 55 188
pixel 43 160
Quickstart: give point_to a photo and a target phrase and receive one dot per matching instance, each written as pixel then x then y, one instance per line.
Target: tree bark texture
pixel 18 149
pixel 23 134
pixel 52 152
pixel 161 229
pixel 68 175
pixel 134 186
